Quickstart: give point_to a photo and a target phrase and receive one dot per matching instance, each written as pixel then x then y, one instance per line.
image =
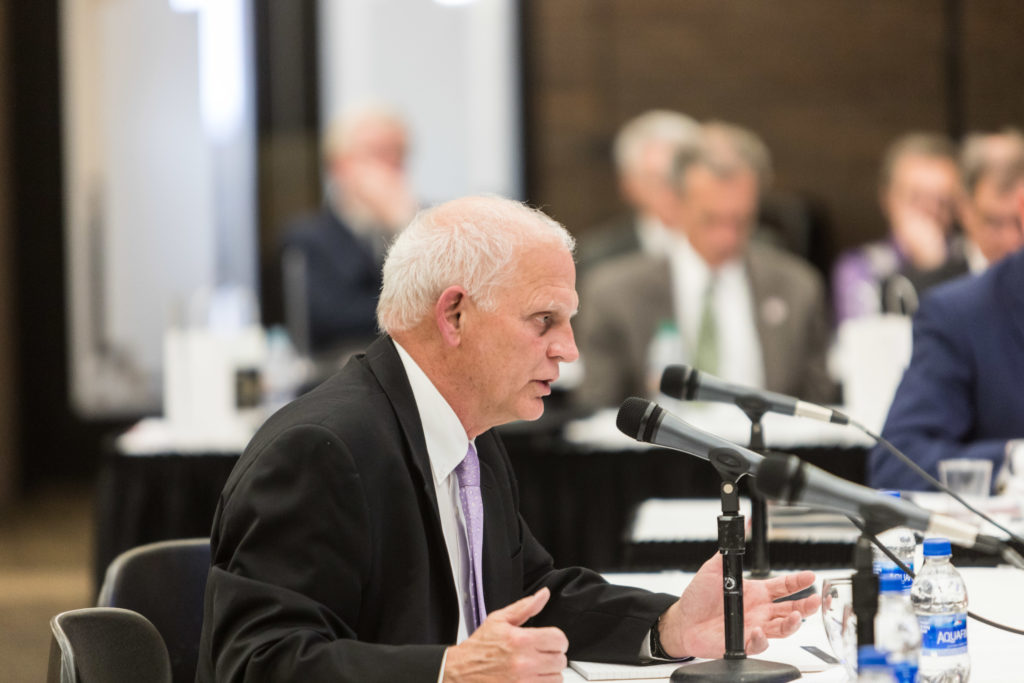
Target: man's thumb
pixel 520 611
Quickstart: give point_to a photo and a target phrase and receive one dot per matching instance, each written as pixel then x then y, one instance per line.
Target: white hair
pixel 659 126
pixel 725 149
pixel 471 242
pixel 344 129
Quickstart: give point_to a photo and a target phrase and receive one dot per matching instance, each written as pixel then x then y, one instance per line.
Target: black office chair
pixel 106 645
pixel 165 582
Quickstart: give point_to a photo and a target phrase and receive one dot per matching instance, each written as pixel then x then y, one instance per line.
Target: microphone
pixel 787 478
pixel 684 382
pixel 648 422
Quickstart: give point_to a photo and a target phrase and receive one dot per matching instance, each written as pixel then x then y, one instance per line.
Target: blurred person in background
pixel 747 312
pixel 963 394
pixel 333 259
pixel 643 152
pixel 917 193
pixel 988 207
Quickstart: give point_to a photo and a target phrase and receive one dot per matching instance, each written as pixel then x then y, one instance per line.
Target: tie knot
pixel 468 470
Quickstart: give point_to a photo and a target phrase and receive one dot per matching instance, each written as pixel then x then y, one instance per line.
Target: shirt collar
pixel 443 432
pixel 693 265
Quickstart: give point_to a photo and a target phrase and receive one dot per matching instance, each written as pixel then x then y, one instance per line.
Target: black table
pixel 145 498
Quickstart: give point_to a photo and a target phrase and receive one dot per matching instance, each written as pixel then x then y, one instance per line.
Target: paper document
pixel 787 651
pixel 596 671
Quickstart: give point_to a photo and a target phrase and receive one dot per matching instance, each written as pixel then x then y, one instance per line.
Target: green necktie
pixel 706 356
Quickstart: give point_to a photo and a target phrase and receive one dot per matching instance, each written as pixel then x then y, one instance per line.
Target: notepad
pixel 597 671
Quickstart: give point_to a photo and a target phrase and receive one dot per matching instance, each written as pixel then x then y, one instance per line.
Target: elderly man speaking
pixel 371 531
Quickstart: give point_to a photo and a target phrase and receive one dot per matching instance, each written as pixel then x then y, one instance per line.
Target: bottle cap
pixel 869 656
pixel 937 547
pixel 891 582
pixel 890 492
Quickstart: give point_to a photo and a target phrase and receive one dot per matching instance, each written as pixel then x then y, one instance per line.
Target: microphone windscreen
pixel 673 380
pixel 775 476
pixel 631 416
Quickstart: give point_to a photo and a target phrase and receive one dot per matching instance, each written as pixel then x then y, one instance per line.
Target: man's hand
pixel 920 236
pixel 694 624
pixel 383 191
pixel 501 650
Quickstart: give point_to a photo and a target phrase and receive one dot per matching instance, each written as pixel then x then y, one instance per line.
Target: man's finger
pixel 783 625
pixel 551 663
pixel 520 611
pixel 548 639
pixel 781 586
pixel 757 641
pixel 805 606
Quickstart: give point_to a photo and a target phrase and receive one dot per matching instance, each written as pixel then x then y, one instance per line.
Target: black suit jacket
pixel 343 279
pixel 328 558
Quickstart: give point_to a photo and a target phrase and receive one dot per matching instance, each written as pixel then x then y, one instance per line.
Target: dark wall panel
pixel 826 84
pixel 993 63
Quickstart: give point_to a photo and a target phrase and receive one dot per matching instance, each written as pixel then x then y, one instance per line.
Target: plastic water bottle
pixel 897 632
pixel 939 597
pixel 872 666
pixel 901 541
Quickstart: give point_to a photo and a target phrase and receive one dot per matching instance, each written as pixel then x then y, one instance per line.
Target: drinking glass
pixel 969 477
pixel 840 621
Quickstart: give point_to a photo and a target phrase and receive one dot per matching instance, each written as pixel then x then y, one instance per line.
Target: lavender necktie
pixel 468 473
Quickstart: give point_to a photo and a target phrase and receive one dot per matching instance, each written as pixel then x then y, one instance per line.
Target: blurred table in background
pixel 579 480
pixel 154 485
pixel 681 534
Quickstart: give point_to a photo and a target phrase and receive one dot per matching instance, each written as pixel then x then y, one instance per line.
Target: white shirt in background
pixel 740 358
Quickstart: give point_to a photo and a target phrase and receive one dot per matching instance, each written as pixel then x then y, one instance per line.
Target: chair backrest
pixel 165 582
pixel 106 645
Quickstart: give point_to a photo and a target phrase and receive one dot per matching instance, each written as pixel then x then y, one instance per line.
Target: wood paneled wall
pixel 8 440
pixel 826 84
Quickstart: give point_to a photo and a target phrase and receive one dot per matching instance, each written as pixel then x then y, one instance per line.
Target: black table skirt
pixel 142 499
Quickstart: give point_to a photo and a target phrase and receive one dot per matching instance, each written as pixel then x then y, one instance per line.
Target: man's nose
pixel 564 348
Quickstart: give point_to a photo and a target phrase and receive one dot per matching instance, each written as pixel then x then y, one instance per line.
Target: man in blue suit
pixel 332 260
pixel 963 394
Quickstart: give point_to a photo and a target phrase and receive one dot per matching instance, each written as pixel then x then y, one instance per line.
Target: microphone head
pixel 634 415
pixel 679 381
pixel 779 477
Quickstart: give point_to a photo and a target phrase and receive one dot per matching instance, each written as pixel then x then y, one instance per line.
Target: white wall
pixel 158 207
pixel 453 71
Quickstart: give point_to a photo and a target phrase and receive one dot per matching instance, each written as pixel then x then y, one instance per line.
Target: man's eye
pixel 545 321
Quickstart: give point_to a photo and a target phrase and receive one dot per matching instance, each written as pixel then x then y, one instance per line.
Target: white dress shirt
pixel 652 234
pixel 740 358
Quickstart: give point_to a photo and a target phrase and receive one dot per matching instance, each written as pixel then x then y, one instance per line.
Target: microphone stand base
pixel 736 671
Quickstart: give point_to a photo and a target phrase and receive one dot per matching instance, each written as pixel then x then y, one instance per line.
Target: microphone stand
pixel 865 591
pixel 761 567
pixel 735 666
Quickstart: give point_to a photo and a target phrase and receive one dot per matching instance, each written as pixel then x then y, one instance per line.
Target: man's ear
pixel 448 312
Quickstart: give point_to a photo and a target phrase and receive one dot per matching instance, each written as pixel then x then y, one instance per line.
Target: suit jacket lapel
pixel 387 366
pixel 500 585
